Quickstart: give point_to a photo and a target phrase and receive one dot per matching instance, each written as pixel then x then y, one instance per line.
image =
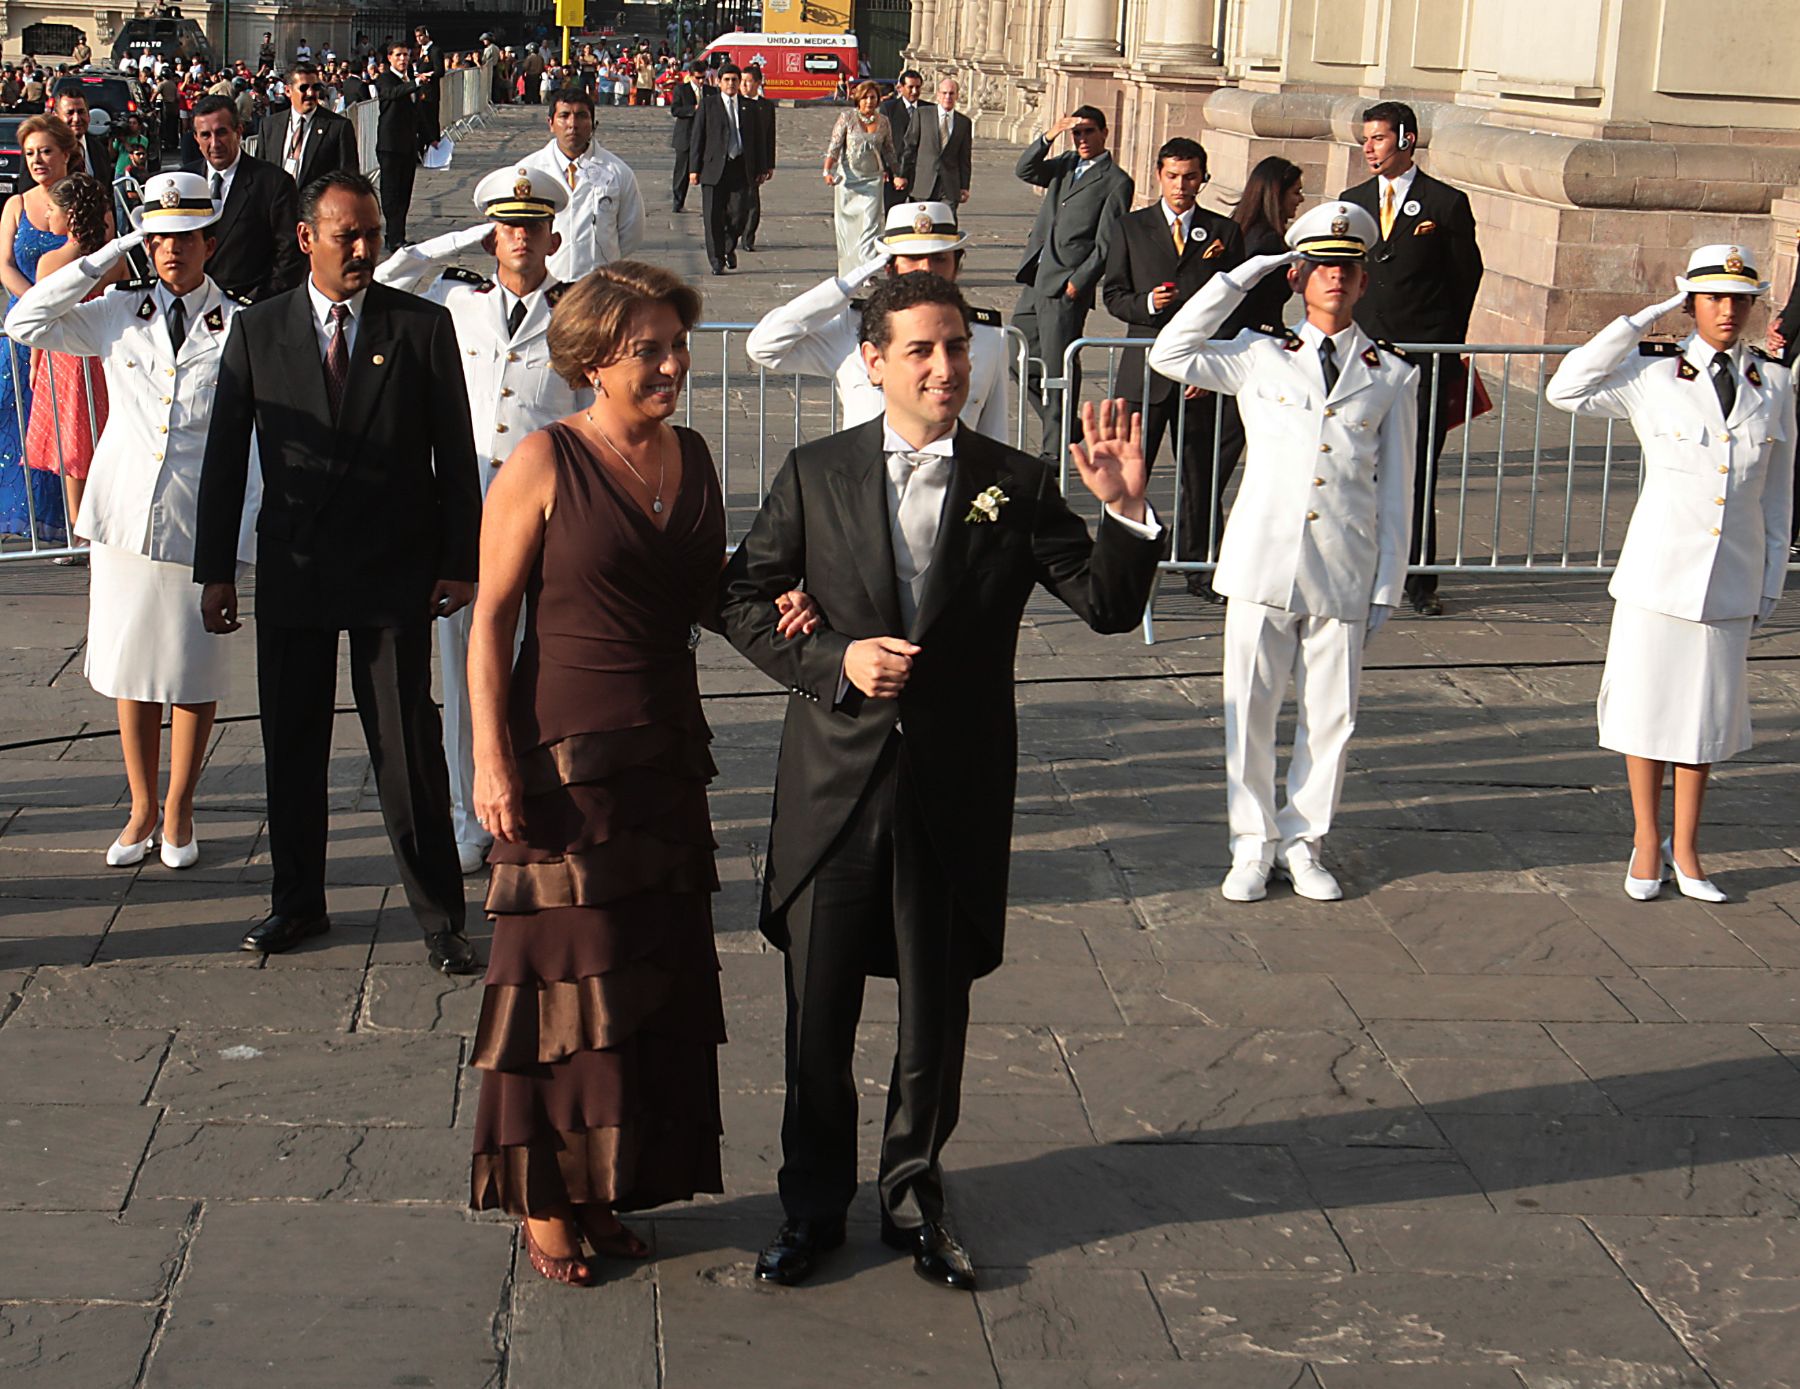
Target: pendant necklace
pixel 656 501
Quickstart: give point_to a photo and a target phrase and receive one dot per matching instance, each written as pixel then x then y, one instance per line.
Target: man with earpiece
pixel 1423 276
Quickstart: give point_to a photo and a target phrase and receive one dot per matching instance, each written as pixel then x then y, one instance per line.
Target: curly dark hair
pixel 907 292
pixel 85 203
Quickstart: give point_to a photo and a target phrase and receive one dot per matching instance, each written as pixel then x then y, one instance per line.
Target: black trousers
pixel 1202 496
pixel 1050 323
pixel 398 170
pixel 879 900
pixel 724 207
pixel 679 188
pixel 1452 379
pixel 390 677
pixel 752 211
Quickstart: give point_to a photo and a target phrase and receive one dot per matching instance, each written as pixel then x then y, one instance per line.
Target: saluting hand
pixel 1111 460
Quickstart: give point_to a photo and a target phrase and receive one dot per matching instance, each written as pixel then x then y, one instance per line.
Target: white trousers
pixel 1264 649
pixel 459 733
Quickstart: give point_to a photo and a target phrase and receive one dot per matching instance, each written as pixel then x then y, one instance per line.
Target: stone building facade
pixel 1598 140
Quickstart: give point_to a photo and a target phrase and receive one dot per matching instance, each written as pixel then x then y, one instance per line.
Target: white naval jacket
pixel 144 484
pixel 1324 509
pixel 817 334
pixel 604 220
pixel 512 389
pixel 1708 539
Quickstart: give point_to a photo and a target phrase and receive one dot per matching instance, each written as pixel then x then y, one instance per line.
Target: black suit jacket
pixel 1141 257
pixel 97 151
pixel 711 137
pixel 359 519
pixel 762 114
pixel 1423 278
pixel 826 522
pixel 259 248
pixel 330 143
pixel 899 118
pixel 682 107
pixel 397 124
pixel 932 167
pixel 1788 325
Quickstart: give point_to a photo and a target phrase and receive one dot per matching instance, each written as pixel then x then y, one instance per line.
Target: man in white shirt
pixel 604 219
pixel 1314 555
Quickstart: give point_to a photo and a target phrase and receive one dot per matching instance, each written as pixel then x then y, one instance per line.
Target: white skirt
pixel 146 640
pixel 1674 690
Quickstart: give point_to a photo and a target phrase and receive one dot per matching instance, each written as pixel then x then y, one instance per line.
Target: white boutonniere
pixel 987 506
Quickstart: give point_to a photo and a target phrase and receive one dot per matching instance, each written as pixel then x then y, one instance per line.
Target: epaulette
pixel 1764 353
pixel 1387 346
pixel 147 282
pixel 243 301
pixel 555 293
pixel 1274 330
pixel 469 277
pixel 1659 349
pixel 990 317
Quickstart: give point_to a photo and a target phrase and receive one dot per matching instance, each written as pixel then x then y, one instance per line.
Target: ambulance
pixel 795 67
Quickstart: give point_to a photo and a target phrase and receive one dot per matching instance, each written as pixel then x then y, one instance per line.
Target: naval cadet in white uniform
pixel 501 326
pixel 1313 560
pixel 819 333
pixel 1705 555
pixel 160 341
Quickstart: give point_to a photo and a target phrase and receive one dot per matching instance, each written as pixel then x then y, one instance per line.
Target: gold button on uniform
pixel 494 462
pixel 499 429
pixel 505 392
pixel 1318 482
pixel 1724 468
pixel 167 401
pixel 1329 411
pixel 1312 515
pixel 1726 436
pixel 162 429
pixel 512 356
pixel 1324 448
pixel 1718 501
pixel 1714 531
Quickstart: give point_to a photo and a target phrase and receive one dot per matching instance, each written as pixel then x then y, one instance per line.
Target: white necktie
pixel 920 481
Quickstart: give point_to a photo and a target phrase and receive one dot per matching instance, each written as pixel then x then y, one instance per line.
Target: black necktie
pixel 218 187
pixel 177 324
pixel 1328 361
pixel 1724 382
pixel 514 318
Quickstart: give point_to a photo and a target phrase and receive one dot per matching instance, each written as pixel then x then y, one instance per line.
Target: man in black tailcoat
pixel 354 396
pixel 920 541
pixel 1423 277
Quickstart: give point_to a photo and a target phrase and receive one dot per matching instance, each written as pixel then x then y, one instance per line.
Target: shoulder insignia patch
pixel 990 317
pixel 1372 357
pixel 469 277
pixel 554 293
pixel 1752 375
pixel 147 309
pixel 1659 349
pixel 1687 371
pixel 215 319
pixel 1387 346
pixel 1292 341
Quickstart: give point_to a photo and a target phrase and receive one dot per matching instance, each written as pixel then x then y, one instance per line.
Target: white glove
pixel 867 271
pixel 1764 609
pixel 110 254
pixel 1243 278
pixel 1379 613
pixel 470 237
pixel 1644 318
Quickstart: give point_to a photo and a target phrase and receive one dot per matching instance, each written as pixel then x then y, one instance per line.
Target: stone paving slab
pixel 1484 1124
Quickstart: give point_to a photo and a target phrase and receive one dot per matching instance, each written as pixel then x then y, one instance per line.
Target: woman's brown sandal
pixel 621 1243
pixel 573 1270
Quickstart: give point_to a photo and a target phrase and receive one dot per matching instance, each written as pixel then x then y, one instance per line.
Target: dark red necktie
pixel 337 359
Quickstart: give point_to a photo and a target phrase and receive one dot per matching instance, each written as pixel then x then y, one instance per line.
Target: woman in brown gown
pixel 602 1018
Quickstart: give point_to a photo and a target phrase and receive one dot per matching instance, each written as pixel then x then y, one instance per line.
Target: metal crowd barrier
pixel 35 515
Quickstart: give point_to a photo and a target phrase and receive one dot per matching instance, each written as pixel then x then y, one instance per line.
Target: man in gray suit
pixel 1085 194
pixel 935 158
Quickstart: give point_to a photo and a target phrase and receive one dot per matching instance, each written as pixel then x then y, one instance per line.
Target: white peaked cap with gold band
pixel 174 203
pixel 920 229
pixel 520 194
pixel 1333 232
pixel 1721 270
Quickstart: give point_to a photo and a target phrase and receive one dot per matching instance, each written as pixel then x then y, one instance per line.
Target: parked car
pixel 12 158
pixel 118 96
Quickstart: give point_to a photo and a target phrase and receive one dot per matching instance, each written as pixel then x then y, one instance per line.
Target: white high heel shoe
pixel 1643 889
pixel 1700 889
pixel 181 855
pixel 123 855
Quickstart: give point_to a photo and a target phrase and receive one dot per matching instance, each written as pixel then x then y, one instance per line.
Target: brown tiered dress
pixel 601 1023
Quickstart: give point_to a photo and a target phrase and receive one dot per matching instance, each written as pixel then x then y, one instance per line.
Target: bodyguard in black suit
pixel 725 160
pixel 901 109
pixel 258 254
pixel 354 396
pixel 762 120
pixel 1423 278
pixel 937 156
pixel 920 542
pixel 397 139
pixel 1160 258
pixel 304 139
pixel 428 74
pixel 682 107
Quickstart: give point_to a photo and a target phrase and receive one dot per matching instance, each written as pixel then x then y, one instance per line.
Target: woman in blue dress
pixel 29 497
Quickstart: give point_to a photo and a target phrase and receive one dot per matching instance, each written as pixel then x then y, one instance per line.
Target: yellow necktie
pixel 1387 212
pixel 571 174
pixel 1180 240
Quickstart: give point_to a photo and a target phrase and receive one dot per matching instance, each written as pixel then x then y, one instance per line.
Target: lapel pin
pixel 1410 207
pixel 378 359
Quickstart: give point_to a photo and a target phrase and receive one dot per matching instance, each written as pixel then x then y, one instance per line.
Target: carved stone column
pixel 1090 31
pixel 995 46
pixel 925 24
pixel 1178 35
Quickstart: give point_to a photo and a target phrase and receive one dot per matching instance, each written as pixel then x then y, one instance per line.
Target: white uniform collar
pixel 1312 335
pixel 1698 351
pixel 198 299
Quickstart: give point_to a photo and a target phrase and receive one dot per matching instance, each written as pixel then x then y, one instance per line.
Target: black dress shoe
pixel 789 1257
pixel 276 933
pixel 938 1256
pixel 1201 587
pixel 731 260
pixel 1426 604
pixel 451 953
pixel 746 245
pixel 718 269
